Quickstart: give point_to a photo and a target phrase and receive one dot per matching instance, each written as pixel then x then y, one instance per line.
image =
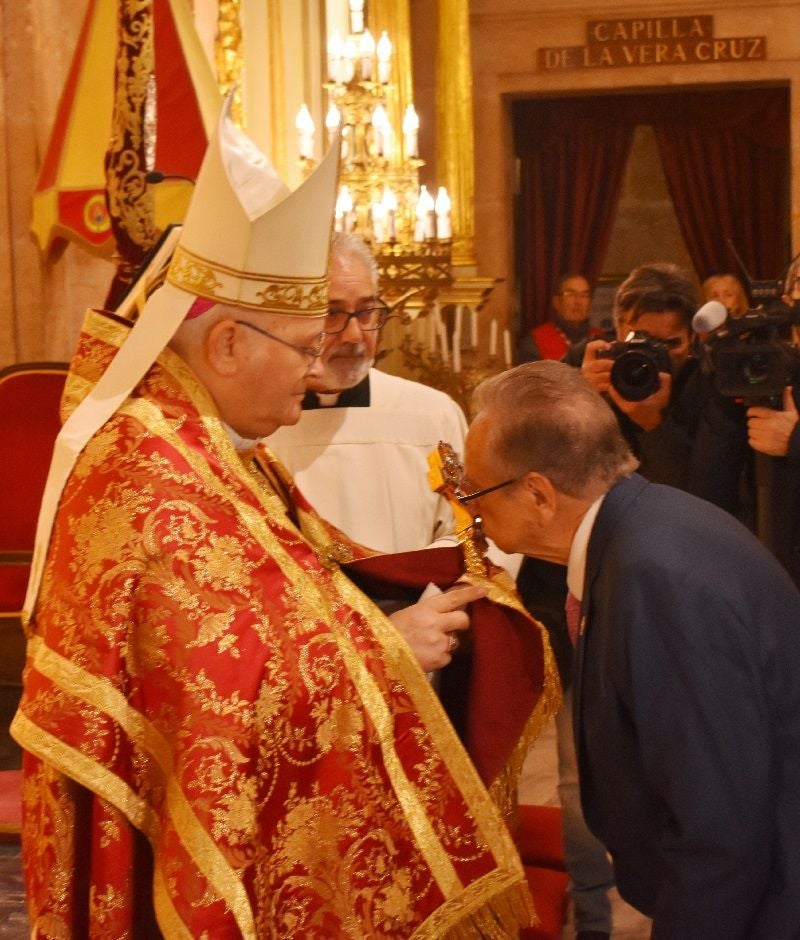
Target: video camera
pixel 637 361
pixel 751 357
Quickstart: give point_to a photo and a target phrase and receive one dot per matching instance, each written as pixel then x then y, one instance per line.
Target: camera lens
pixel 756 368
pixel 635 375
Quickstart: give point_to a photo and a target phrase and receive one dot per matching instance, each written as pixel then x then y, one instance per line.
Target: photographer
pixel 656 302
pixel 776 433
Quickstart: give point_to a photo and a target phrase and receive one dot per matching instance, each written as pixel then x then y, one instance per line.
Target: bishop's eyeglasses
pixel 313 352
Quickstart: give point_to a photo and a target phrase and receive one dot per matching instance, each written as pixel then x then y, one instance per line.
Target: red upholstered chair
pixel 30 394
pixel 10 805
pixel 542 853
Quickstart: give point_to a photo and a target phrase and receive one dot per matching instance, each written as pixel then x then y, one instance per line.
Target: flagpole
pixel 130 152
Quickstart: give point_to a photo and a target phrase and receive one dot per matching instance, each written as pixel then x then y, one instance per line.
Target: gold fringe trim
pixel 499 919
pixel 503 790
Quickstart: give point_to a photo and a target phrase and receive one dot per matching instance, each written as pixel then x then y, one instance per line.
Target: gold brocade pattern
pixel 196 675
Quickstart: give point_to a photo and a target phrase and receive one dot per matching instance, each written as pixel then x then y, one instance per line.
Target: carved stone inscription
pixel 661 40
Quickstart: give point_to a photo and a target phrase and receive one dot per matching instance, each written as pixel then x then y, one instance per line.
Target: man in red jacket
pixel 568 323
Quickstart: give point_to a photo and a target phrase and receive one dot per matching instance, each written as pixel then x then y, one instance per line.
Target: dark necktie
pixel 573 612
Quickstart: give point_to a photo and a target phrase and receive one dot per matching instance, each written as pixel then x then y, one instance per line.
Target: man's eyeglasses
pixel 313 352
pixel 583 294
pixel 369 318
pixel 467 497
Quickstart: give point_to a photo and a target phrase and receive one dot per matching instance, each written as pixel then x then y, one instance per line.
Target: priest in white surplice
pixel 359 452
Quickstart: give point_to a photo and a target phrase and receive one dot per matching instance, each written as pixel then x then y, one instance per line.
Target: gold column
pixel 455 156
pixel 229 53
pixel 394 17
pixel 277 86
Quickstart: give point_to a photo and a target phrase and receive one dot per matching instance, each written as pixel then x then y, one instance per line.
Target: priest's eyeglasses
pixel 313 352
pixel 369 318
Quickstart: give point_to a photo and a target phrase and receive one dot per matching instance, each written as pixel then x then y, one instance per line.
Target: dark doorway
pixel 724 155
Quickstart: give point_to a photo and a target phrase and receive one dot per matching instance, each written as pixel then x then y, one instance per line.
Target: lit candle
pixel 350 54
pixel 380 124
pixel 410 132
pixel 390 205
pixel 430 215
pixel 384 50
pixel 456 355
pixel 356 15
pixel 378 222
pixel 423 214
pixel 305 132
pixel 366 49
pixel 344 210
pixel 473 327
pixel 335 57
pixel 507 348
pixel 332 120
pixel 444 229
pixel 493 338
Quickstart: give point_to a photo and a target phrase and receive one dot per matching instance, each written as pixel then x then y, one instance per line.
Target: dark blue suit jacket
pixel 687 716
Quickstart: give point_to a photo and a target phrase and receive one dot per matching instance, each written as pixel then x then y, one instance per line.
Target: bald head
pixel 544 416
pixel 256 366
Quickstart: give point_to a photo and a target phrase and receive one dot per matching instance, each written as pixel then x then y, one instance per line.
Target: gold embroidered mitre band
pixel 288 296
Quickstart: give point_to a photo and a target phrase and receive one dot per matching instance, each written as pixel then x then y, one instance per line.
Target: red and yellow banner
pixel 70 197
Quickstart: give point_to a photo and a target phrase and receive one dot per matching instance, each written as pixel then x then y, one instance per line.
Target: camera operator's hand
pixel 768 430
pixel 597 371
pixel 649 412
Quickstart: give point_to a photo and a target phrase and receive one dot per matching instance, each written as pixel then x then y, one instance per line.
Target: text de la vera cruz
pixel 661 40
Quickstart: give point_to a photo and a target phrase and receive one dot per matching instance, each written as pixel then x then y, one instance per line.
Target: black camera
pixel 638 359
pixel 751 356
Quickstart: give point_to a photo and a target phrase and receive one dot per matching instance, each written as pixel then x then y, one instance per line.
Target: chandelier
pixel 408 228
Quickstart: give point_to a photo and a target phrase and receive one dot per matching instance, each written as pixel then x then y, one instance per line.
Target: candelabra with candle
pixel 443 351
pixel 380 198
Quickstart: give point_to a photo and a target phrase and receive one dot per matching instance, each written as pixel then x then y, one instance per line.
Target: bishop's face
pixel 275 363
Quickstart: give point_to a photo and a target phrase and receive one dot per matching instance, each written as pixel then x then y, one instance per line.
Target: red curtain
pixel 572 162
pixel 725 156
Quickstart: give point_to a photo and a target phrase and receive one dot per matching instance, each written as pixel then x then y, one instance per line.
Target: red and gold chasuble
pixel 225 737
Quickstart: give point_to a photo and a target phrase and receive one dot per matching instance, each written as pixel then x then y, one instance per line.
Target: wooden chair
pixel 30 394
pixel 542 852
